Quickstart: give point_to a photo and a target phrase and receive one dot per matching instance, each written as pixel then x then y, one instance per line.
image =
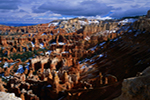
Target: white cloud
pixel 47 10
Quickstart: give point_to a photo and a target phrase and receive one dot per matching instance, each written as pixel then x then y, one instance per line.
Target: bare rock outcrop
pixel 148 14
pixel 8 96
pixel 136 88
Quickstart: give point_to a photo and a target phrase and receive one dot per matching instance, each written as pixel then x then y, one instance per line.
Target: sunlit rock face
pixel 8 96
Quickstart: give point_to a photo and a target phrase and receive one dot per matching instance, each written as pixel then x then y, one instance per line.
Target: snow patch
pixel 60 43
pixel 93 64
pixel 131 20
pixel 65 52
pixel 137 33
pixel 6 77
pixel 87 38
pixel 92 49
pixel 20 69
pixel 27 66
pixel 100 56
pixel 83 67
pixel 95 22
pixel 48 52
pixel 82 22
pixel 91 60
pixel 5 64
pixel 101 44
pixel 53 23
pixel 43 34
pixel 3 48
pixel 49 85
pixel 112 31
pixel 130 31
pixel 41 45
pixel 116 39
pixel 51 33
pixel 32 44
pixel 12 63
pixel 85 60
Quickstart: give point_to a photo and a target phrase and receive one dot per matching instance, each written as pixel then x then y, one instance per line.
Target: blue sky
pixel 43 11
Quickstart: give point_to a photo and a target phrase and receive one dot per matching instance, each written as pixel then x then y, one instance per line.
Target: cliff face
pixel 148 14
pixel 136 88
pixel 142 24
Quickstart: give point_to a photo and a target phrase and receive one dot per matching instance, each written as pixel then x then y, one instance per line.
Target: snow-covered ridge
pixel 131 20
pixel 53 23
pixel 83 22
